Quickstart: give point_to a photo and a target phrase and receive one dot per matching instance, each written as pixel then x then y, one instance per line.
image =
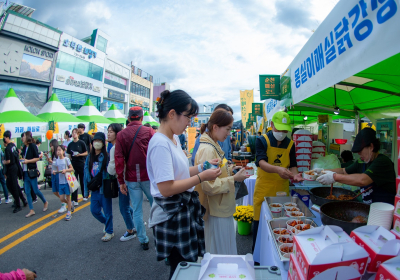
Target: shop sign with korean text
pixel 356 35
pixel 257 109
pixel 270 87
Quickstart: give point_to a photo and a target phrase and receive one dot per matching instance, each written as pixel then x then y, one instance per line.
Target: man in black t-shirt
pixel 10 163
pixel 84 136
pixel 77 152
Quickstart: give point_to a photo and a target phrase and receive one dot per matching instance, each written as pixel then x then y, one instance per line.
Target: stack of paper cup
pixel 381 214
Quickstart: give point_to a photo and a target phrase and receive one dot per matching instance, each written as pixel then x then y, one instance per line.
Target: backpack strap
pixel 134 138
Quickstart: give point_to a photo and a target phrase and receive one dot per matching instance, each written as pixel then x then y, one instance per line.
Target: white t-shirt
pixel 61 166
pixel 66 143
pixel 165 162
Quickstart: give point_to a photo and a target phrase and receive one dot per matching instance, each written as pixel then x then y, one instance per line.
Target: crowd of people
pixel 191 207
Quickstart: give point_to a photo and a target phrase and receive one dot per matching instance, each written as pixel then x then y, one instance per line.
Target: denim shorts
pixel 64 189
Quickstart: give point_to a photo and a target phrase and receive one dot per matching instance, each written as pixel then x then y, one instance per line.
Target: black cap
pixel 363 139
pixel 100 136
pixel 81 125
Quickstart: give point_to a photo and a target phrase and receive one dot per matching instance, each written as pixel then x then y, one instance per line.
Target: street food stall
pixel 348 69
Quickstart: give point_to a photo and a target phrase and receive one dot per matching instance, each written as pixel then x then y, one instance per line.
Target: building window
pixel 115 81
pixel 101 44
pixel 73 101
pixel 145 109
pixel 140 90
pixel 79 66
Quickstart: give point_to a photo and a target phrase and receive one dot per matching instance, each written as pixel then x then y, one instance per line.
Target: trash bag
pixel 327 162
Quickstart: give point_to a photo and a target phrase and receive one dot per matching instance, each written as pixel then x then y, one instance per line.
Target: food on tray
pixel 359 219
pixel 281 231
pixel 303 227
pixel 345 197
pixel 286 250
pixel 290 204
pixel 296 214
pixel 293 230
pixel 284 239
pixel 275 205
pixel 292 209
pixel 294 223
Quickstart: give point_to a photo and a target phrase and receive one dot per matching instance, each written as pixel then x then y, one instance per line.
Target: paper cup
pixel 284 239
pixel 286 248
pixel 280 231
pixel 291 208
pixel 294 214
pixel 303 227
pixel 275 208
pixel 290 204
pixel 293 222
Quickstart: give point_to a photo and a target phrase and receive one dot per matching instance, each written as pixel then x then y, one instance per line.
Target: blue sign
pixel 120 106
pixel 271 105
pixel 78 48
pixel 338 41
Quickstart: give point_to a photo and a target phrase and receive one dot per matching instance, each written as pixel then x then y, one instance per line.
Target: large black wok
pixel 318 195
pixel 340 213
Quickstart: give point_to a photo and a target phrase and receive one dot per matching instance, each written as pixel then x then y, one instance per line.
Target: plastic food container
pixel 303 227
pixel 282 238
pixel 310 175
pixel 292 221
pixel 294 214
pixel 286 249
pixel 290 204
pixel 275 208
pixel 281 231
pixel 291 208
pixel 248 171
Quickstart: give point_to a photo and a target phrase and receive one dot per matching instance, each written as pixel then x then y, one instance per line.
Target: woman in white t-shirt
pixel 67 137
pixel 177 215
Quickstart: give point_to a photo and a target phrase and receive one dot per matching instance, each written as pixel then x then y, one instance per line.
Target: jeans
pixel 136 190
pixel 32 184
pixel 3 184
pixel 15 190
pixel 126 210
pixel 79 172
pixel 98 201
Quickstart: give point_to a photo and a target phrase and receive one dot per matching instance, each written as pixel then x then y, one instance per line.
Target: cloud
pixel 211 49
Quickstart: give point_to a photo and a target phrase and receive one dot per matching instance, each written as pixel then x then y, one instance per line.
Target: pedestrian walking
pixel 95 172
pixel 84 136
pixel 177 215
pixel 67 138
pixel 77 152
pixel 130 159
pixel 3 180
pixel 52 159
pixel 218 196
pixel 31 173
pixel 63 166
pixel 23 151
pixel 13 171
pixel 124 200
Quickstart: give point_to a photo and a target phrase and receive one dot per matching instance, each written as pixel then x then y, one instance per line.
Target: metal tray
pixel 276 223
pixel 283 199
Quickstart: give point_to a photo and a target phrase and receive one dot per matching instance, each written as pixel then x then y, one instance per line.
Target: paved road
pixel 60 250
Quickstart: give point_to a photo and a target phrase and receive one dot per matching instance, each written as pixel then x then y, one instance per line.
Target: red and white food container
pixel 302 134
pixel 379 243
pixel 318 144
pixel 304 163
pixel 303 157
pixel 398 185
pixel 389 270
pixel 340 272
pixel 306 152
pixel 326 247
pixel 397 204
pixel 303 169
pixel 395 233
pixel 396 223
pixel 248 171
pixel 304 145
pixel 317 155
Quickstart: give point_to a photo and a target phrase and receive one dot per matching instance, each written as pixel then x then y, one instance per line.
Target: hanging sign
pixel 257 109
pixel 270 87
pixel 246 100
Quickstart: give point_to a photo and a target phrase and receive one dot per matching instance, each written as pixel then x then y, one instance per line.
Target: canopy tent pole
pixel 369 88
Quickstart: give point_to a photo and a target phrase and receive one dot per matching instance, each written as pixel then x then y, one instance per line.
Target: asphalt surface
pixel 58 249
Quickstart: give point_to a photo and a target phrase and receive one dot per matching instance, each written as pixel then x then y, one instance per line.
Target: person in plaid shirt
pixel 176 215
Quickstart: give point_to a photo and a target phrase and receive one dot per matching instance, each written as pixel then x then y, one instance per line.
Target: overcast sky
pixel 211 49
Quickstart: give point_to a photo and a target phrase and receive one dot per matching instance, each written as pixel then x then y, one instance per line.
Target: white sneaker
pixel 62 209
pixel 128 236
pixel 76 203
pixel 107 237
pixel 9 200
pixel 85 199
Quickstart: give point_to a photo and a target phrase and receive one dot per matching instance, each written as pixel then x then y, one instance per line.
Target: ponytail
pixel 219 117
pixel 203 128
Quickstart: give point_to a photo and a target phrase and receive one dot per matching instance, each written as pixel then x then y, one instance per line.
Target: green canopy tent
pixel 89 113
pixel 149 119
pixel 115 115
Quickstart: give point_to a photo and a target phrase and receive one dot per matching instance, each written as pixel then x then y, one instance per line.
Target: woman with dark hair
pixel 124 200
pixel 376 172
pixel 52 158
pixel 347 157
pixel 30 176
pixel 96 171
pixel 23 151
pixel 176 216
pixel 67 137
pixel 218 196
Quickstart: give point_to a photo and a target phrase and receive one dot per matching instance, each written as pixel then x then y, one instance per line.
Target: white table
pixel 264 250
pixel 250 183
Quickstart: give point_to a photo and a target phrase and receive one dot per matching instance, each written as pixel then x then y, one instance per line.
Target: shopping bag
pixel 72 181
pixel 240 190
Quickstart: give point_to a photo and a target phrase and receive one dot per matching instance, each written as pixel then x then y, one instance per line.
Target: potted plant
pixel 244 217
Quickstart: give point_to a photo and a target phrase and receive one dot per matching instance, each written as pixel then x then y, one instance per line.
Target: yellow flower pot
pixel 248 149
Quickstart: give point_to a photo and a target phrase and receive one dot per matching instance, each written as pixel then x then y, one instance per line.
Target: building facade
pixel 141 89
pixel 79 73
pixel 27 56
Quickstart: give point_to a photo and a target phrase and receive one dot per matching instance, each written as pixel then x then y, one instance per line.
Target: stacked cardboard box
pixel 303 141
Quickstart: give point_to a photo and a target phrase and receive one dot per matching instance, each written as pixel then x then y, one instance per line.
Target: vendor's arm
pixel 358 180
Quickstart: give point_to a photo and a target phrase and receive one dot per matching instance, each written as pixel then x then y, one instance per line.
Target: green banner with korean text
pixel 252 118
pixel 270 87
pixel 257 109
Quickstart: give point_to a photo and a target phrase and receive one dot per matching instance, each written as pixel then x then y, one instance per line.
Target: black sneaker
pixel 17 209
pixel 145 246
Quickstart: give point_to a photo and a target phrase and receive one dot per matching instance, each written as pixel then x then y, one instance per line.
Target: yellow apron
pixel 268 184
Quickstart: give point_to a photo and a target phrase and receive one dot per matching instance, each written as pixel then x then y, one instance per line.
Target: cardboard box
pixel 227 267
pixel 397 204
pixel 396 223
pixel 395 234
pixel 322 248
pixel 302 194
pixel 341 272
pixel 379 243
pixel 304 145
pixel 389 270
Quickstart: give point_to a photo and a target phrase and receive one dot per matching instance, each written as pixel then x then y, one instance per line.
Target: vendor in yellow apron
pixel 268 184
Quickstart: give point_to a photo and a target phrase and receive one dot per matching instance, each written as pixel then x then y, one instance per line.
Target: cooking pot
pixel 318 195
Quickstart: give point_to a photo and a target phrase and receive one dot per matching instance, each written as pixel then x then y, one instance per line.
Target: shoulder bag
pixel 73 183
pixel 110 187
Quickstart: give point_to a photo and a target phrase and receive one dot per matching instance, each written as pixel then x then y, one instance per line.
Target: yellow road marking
pixel 28 225
pixel 39 229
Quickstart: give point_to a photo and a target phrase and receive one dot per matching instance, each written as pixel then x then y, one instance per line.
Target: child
pixel 62 164
pixel 52 159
